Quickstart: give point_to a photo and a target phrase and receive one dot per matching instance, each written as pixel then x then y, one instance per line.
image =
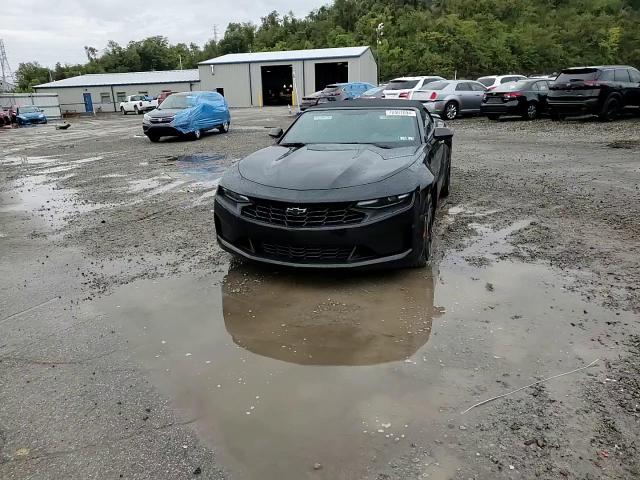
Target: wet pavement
pixel 285 370
pixel 137 349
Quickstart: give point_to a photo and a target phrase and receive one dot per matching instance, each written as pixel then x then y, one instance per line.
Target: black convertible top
pixel 364 103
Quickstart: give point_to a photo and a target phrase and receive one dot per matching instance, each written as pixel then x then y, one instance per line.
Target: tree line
pixel 446 37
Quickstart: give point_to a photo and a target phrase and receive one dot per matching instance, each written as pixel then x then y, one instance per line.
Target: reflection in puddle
pixel 203 167
pixel 353 320
pixel 282 370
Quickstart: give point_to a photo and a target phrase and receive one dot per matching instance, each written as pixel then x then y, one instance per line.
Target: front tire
pixel 422 236
pixel 124 112
pixel 451 110
pixel 224 128
pixel 196 135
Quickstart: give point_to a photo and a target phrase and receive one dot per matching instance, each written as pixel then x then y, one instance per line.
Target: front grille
pixel 307 254
pixel 161 119
pixel 302 216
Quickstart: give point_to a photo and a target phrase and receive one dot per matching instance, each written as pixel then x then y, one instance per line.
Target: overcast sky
pixel 50 31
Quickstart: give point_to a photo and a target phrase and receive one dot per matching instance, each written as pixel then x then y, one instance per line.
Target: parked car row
pixel 22 115
pixel 605 91
pixel 335 92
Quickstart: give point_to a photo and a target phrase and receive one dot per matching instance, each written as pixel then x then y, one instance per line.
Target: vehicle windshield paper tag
pixel 400 113
pixel 322 117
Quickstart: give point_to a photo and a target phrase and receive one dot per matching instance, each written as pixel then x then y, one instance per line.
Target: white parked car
pixel 137 104
pixel 494 81
pixel 403 87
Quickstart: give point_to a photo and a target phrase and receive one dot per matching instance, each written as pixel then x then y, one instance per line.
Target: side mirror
pixel 442 133
pixel 276 132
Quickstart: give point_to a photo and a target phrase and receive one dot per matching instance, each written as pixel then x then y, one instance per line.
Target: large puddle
pixel 284 370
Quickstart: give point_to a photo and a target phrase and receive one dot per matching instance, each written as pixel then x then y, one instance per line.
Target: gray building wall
pixel 242 82
pixel 71 98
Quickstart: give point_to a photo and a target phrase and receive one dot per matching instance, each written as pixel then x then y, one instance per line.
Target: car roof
pixel 597 66
pixel 378 103
pixel 415 78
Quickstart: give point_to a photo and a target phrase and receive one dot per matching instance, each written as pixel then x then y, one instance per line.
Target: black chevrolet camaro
pixel 348 184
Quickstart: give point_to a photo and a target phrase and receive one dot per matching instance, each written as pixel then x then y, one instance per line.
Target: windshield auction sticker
pixel 400 113
pixel 322 117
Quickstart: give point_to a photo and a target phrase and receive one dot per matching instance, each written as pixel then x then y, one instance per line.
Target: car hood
pixel 31 115
pixel 327 166
pixel 162 112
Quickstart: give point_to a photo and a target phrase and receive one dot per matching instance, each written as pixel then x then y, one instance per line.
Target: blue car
pixel 30 114
pixel 187 114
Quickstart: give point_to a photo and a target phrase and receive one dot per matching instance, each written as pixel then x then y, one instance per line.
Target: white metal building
pixel 267 78
pixel 103 92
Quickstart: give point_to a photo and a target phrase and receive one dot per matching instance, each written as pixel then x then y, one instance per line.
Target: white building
pixel 267 78
pixel 103 92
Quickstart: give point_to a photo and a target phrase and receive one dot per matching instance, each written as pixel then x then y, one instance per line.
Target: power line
pixel 5 68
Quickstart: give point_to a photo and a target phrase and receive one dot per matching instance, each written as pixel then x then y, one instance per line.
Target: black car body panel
pixel 515 98
pixel 586 90
pixel 299 202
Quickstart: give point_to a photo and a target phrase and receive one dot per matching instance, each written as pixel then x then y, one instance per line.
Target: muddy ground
pixel 131 346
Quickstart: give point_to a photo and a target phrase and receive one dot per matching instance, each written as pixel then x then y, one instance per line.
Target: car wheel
pixel 451 110
pixel 422 235
pixel 532 111
pixel 224 128
pixel 493 116
pixel 154 138
pixel 196 135
pixel 610 110
pixel 135 110
pixel 124 112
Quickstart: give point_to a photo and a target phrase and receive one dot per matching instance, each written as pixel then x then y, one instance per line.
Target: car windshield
pixel 372 91
pixel 28 109
pixel 178 102
pixel 577 75
pixel 435 85
pixel 400 84
pixel 331 89
pixel 383 127
pixel 487 81
pixel 511 86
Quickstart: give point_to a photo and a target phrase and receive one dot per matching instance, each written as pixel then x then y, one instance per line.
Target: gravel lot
pixel 132 347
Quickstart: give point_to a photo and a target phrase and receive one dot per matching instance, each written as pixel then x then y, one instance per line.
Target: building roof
pixel 129 78
pixel 288 55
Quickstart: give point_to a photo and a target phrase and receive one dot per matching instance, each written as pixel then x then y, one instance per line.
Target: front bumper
pixel 387 239
pixel 31 121
pixel 160 130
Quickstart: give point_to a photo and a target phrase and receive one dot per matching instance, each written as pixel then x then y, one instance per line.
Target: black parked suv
pixel 604 91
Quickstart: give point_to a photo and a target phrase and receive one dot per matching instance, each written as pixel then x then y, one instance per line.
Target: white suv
pixel 494 81
pixel 404 87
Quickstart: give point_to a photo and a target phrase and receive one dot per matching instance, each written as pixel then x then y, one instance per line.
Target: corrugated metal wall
pixel 48 102
pixel 242 82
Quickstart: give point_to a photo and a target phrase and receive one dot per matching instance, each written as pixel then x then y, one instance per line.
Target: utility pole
pixel 215 33
pixel 5 69
pixel 379 34
pixel 180 59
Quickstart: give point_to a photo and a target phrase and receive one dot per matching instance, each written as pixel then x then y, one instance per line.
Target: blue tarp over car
pixel 209 110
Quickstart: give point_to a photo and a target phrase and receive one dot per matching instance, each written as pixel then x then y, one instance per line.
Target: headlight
pixel 233 196
pixel 146 118
pixel 385 202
